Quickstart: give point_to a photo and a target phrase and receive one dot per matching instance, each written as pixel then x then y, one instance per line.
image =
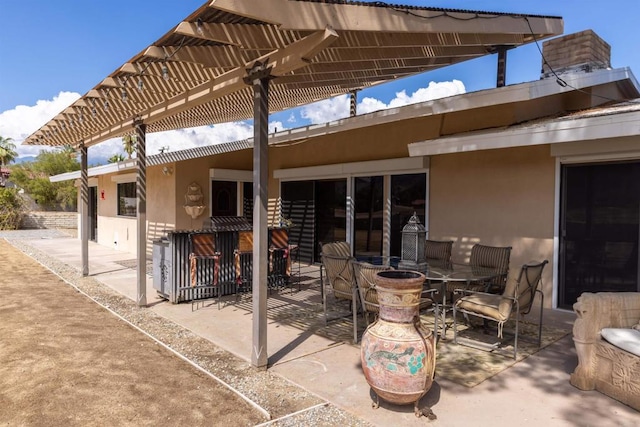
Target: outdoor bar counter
pixel 171 267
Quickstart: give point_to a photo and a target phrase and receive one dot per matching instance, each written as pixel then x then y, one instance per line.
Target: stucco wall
pixel 499 198
pixel 120 232
pixel 198 171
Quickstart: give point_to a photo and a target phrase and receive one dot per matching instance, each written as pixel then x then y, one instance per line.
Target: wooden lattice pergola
pixel 240 59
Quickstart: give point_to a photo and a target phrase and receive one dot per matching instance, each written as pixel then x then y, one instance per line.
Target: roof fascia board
pixel 553 132
pixel 485 98
pixel 309 16
pixel 356 168
pixel 231 175
pixel 96 171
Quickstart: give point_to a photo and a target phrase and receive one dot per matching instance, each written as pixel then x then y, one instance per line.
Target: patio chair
pixel 243 262
pixel 516 300
pixel 365 274
pixel 279 259
pixel 496 257
pixel 204 266
pixel 438 252
pixel 337 262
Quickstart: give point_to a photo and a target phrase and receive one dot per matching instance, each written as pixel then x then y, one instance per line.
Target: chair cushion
pixel 490 305
pixel 625 338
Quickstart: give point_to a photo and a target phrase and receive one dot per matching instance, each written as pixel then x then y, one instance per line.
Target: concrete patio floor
pixel 533 392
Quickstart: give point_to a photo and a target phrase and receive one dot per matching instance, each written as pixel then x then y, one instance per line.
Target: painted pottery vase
pixel 398 353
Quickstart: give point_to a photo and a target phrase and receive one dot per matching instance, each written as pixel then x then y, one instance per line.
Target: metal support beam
pixel 84 209
pixel 258 76
pixel 353 104
pixel 502 67
pixel 141 209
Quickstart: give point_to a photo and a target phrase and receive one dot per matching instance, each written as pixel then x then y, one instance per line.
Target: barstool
pixel 243 262
pixel 279 266
pixel 294 270
pixel 202 254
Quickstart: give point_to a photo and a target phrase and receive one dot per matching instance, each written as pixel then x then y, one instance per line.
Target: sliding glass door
pixel 599 226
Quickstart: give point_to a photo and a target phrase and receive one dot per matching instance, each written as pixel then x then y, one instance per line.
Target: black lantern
pixel 414 236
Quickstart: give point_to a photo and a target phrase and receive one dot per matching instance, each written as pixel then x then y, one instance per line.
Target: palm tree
pixel 116 158
pixel 129 142
pixel 7 151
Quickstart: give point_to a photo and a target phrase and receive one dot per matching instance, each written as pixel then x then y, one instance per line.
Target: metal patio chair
pixel 338 266
pixel 516 301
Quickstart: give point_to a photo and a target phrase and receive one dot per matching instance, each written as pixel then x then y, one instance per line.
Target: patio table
pixel 461 274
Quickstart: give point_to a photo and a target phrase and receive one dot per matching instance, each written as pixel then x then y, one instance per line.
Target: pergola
pixel 240 59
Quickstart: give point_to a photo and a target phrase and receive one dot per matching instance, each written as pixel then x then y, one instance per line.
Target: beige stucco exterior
pixel 501 195
pixel 494 197
pixel 498 198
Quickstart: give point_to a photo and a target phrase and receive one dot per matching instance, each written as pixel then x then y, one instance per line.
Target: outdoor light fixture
pixel 140 84
pixel 165 72
pixel 106 105
pixel 125 98
pixel 93 111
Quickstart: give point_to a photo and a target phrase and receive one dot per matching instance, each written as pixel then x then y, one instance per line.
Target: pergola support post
pixel 84 209
pixel 353 103
pixel 258 77
pixel 141 209
pixel 501 78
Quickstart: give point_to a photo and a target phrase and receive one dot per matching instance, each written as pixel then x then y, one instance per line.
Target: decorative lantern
pixel 414 236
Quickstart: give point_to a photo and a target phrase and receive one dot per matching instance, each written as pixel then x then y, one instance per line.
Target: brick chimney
pixel 580 52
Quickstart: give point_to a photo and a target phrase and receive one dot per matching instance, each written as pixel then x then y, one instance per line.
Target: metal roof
pixel 193 75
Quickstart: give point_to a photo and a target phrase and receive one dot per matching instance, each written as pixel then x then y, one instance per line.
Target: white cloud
pixel 327 110
pixel 23 120
pixel 338 107
pixel 433 91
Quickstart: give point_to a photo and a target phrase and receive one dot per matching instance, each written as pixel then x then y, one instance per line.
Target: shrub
pixel 11 209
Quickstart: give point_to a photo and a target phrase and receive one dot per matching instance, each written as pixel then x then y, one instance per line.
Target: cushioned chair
pixel 204 264
pixel 338 266
pixel 516 300
pixel 438 252
pixel 492 257
pixel 365 275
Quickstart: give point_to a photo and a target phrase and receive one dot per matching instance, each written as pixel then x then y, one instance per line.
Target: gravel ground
pixel 288 404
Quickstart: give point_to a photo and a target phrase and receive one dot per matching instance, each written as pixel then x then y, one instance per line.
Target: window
pixel 127 199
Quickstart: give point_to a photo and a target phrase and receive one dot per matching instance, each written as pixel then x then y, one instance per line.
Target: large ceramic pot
pixel 398 353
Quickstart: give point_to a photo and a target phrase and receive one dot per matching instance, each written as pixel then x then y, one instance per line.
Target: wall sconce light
pixel 167 170
pixel 101 194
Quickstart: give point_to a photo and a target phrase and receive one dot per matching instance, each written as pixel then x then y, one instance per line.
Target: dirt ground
pixel 64 360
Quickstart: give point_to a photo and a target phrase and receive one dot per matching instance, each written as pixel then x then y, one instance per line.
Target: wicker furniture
pixel 603 366
pixel 516 300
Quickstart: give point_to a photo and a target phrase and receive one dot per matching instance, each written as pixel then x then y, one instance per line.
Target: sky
pixel 52 52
